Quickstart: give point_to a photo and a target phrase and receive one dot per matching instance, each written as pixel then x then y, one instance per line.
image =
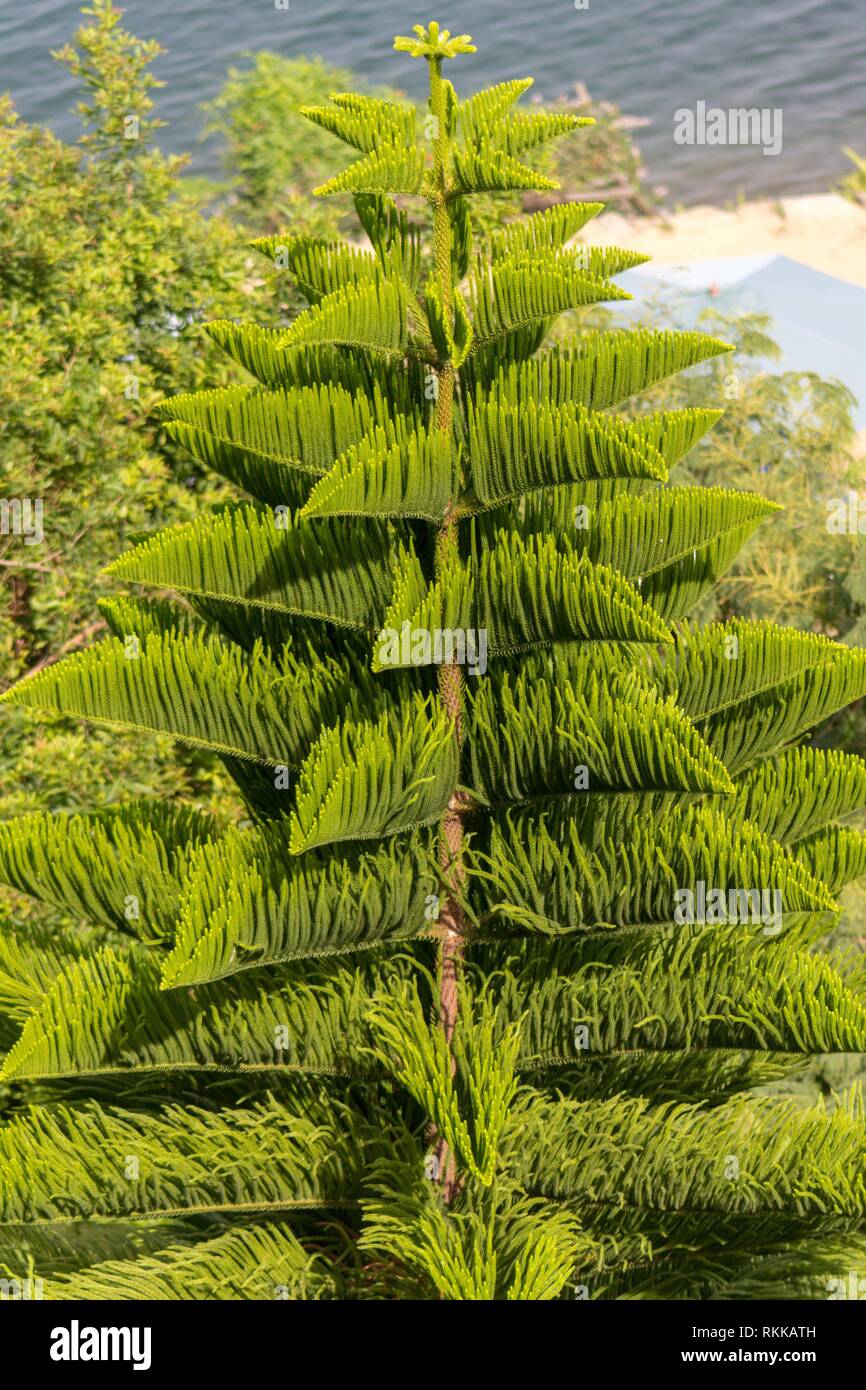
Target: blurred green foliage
pixel 274 158
pixel 106 273
pixel 853 185
pixel 605 165
pixel 790 437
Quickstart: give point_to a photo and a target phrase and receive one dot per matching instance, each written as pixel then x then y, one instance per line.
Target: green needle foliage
pixel 481 1000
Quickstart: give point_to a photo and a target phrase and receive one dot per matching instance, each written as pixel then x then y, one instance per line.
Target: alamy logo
pixel 719 905
pixel 77 1343
pixel 854 1287
pixel 22 516
pixel 16 1290
pixel 739 125
pixel 846 516
pixel 421 646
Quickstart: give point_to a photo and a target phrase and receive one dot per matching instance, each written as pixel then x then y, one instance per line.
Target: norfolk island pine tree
pixel 436 1023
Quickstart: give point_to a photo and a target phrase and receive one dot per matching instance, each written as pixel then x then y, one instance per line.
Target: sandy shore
pixel 820 230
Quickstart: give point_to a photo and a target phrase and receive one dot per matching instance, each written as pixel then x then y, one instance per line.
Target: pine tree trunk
pixel 451 917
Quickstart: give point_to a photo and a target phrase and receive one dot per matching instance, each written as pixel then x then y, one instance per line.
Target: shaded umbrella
pixel 819 322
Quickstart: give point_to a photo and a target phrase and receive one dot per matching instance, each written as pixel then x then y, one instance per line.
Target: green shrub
pixel 853 186
pixel 273 158
pixel 107 271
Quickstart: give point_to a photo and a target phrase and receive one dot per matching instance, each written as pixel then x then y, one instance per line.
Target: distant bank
pixel 823 231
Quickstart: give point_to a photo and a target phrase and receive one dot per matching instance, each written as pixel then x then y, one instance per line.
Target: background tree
pixel 107 271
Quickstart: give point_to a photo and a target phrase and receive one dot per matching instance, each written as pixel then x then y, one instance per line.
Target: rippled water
pixel 807 57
